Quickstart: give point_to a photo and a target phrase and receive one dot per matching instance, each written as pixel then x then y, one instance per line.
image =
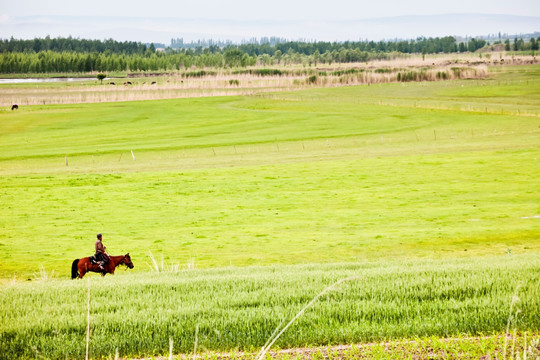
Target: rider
pixel 101 256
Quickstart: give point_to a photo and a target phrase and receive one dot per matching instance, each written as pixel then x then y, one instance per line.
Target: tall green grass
pixel 239 308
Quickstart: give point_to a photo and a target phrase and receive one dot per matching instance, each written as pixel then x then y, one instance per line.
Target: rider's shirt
pixel 100 248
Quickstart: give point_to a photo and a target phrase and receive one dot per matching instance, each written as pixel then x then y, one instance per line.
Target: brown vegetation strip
pixel 511 346
pixel 227 84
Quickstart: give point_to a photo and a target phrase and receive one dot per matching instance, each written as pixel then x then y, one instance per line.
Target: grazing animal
pixel 14 107
pixel 127 83
pixel 80 267
pixel 153 83
pixel 111 83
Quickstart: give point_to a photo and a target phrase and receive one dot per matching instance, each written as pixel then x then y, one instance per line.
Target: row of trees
pixel 269 46
pixel 520 45
pixel 75 45
pixel 62 62
pixel 147 59
pixel 427 45
pixel 179 43
pixel 471 45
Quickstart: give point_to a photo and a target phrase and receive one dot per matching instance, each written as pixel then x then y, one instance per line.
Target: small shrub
pixel 266 72
pixel 408 76
pixel 200 73
pixel 442 75
pixel 234 82
pixel 456 71
pixel 101 76
pixel 347 72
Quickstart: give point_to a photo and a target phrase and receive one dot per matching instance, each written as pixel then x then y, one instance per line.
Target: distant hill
pixel 162 30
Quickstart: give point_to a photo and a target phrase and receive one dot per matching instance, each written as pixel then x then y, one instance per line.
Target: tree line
pixel 71 44
pixel 520 45
pixel 427 45
pixel 265 46
pixel 63 55
pixel 62 62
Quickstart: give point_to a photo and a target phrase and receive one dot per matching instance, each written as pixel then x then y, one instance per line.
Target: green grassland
pixel 439 169
pixel 425 193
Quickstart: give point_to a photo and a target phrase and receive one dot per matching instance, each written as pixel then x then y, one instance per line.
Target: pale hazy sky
pixel 234 19
pixel 268 10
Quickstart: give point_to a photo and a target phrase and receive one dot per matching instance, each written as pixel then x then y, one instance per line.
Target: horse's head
pixel 127 261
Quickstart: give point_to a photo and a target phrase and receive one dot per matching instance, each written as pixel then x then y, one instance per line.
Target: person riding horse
pixel 101 256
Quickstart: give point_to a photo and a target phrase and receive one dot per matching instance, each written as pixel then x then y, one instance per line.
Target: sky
pixel 160 20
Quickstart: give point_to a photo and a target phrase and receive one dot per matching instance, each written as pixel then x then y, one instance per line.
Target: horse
pixel 81 266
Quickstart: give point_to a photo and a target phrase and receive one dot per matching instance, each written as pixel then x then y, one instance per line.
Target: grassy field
pixel 417 169
pixel 428 190
pixel 239 308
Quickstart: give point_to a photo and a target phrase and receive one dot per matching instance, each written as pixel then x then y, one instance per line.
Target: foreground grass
pixel 239 308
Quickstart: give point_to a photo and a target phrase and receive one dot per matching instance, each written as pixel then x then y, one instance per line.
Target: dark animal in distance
pixel 111 83
pixel 15 107
pixel 153 83
pixel 127 83
pixel 80 267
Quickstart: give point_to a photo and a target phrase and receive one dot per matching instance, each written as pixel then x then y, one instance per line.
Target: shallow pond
pixel 38 80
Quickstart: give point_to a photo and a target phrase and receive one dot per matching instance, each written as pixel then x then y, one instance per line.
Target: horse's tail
pixel 75 269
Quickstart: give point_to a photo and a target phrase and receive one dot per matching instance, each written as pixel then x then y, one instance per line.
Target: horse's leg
pixel 110 268
pixel 83 269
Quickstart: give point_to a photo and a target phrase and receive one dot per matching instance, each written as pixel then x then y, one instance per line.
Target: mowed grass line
pixel 239 308
pixel 451 107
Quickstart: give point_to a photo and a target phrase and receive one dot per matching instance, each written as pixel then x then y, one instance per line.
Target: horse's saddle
pixel 97 258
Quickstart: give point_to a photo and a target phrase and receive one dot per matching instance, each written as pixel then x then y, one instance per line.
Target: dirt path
pixel 512 346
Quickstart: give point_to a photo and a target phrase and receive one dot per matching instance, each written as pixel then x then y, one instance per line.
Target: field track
pixel 485 347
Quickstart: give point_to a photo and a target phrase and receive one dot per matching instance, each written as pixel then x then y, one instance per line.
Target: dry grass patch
pixel 230 82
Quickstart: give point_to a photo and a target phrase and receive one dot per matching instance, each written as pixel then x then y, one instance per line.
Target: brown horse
pixel 82 266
